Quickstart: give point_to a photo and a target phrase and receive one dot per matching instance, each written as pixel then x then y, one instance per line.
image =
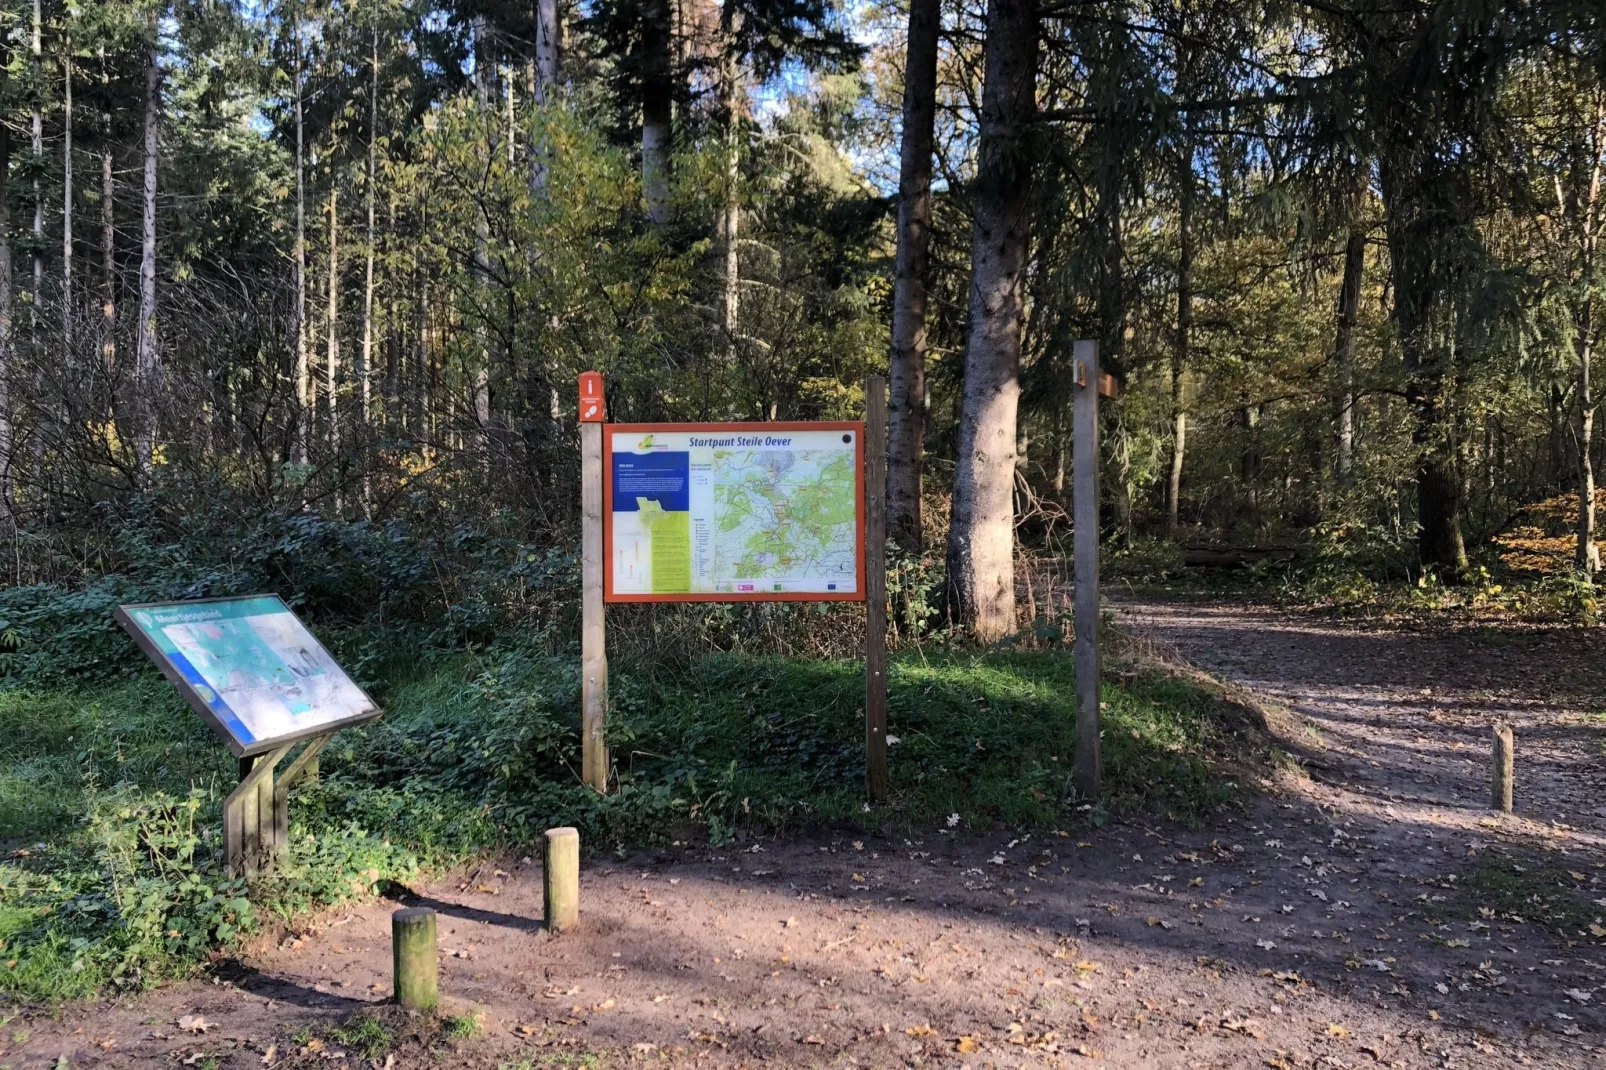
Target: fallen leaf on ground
pixel 1336 1030
pixel 920 1031
pixel 965 1045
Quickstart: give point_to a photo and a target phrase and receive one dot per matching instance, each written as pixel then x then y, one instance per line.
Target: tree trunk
pixel 108 262
pixel 906 408
pixel 331 359
pixel 482 256
pixel 981 578
pixel 1249 460
pixel 38 256
pixel 1588 554
pixel 298 309
pixel 1349 305
pixel 7 349
pixel 1179 352
pixel 1419 208
pixel 731 209
pixel 1588 213
pixel 366 359
pixel 148 369
pixel 544 84
pixel 66 194
pixel 656 109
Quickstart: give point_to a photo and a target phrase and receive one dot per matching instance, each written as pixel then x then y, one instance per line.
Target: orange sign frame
pixel 856 595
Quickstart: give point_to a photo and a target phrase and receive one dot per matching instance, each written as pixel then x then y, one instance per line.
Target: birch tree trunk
pixel 730 210
pixel 656 109
pixel 906 407
pixel 331 357
pixel 981 534
pixel 298 309
pixel 108 258
pixel 1179 352
pixel 38 254
pixel 1588 211
pixel 66 194
pixel 364 369
pixel 482 258
pixel 544 84
pixel 7 337
pixel 148 357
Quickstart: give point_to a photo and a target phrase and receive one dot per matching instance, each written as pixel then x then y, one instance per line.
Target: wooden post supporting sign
pixel 1085 509
pixel 875 587
pixel 593 643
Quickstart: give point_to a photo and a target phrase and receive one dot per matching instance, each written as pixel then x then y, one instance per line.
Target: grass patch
pixel 462 1026
pixel 1538 892
pixel 365 1035
pixel 110 796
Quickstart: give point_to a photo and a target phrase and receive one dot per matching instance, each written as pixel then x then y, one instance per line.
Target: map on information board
pixel 733 512
pixel 250 667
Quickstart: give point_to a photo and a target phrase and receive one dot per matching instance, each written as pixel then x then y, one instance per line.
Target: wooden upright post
pixel 875 587
pixel 414 958
pixel 1085 507
pixel 1504 771
pixel 560 878
pixel 593 648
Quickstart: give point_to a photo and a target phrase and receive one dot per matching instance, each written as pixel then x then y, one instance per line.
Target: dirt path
pixel 1371 914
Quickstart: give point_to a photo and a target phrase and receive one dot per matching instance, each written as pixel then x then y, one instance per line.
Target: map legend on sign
pixel 733 511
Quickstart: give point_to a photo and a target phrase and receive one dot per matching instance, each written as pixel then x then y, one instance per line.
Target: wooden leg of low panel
pixel 267 821
pixel 234 837
pixel 250 820
pixel 281 823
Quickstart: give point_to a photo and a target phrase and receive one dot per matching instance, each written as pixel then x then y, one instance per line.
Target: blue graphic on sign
pixel 660 476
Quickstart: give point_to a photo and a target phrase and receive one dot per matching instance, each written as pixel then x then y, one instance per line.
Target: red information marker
pixel 591 397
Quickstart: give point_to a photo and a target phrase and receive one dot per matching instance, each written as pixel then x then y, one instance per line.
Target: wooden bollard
pixel 560 878
pixel 1504 769
pixel 412 941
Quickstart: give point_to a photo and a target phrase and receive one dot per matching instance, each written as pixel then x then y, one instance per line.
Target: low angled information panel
pixel 250 668
pixel 732 512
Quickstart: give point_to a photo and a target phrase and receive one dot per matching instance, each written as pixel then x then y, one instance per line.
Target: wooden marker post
pixel 1504 772
pixel 1085 509
pixel 560 878
pixel 593 644
pixel 875 587
pixel 414 958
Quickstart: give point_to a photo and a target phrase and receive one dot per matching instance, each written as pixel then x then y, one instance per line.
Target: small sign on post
pixel 254 672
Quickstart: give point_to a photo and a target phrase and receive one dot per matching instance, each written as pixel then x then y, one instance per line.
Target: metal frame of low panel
pixel 857 595
pixel 202 707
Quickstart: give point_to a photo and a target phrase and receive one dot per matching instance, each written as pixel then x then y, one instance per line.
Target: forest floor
pixel 1368 911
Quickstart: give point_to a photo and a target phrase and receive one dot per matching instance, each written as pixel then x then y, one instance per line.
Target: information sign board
pixel 733 512
pixel 249 667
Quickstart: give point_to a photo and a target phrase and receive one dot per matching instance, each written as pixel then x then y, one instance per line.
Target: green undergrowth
pixel 110 795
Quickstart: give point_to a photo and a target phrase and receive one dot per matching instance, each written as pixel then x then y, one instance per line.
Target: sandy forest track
pixel 1368 914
